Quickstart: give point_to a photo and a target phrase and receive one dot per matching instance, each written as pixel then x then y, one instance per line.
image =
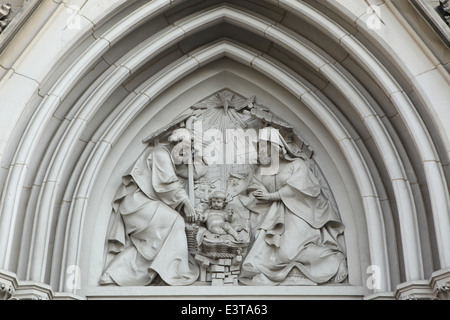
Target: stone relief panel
pixel 227 194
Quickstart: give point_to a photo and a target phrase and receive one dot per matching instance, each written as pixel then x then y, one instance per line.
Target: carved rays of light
pixel 221 111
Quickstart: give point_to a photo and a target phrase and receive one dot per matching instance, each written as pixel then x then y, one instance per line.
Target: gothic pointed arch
pixel 364 97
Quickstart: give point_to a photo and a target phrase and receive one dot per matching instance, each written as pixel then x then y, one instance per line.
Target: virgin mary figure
pixel 295 229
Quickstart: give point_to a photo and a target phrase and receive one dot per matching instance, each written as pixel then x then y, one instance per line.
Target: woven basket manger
pixel 216 249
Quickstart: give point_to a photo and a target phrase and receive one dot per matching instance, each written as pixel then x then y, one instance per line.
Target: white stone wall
pixel 83 82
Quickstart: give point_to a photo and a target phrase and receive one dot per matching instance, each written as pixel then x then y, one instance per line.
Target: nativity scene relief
pixel 227 194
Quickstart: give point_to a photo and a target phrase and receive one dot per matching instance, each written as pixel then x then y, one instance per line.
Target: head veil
pixel 288 150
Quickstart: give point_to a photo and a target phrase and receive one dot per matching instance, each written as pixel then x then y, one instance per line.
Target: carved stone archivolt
pixel 11 288
pixel 226 194
pixel 444 8
pixel 5 10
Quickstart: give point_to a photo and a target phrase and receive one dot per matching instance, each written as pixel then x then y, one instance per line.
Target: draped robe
pixel 148 233
pixel 299 231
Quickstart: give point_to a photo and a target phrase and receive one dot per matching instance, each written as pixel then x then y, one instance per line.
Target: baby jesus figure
pixel 218 220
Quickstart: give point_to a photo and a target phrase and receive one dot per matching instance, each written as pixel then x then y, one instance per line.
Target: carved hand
pixel 189 212
pixel 266 196
pixel 201 217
